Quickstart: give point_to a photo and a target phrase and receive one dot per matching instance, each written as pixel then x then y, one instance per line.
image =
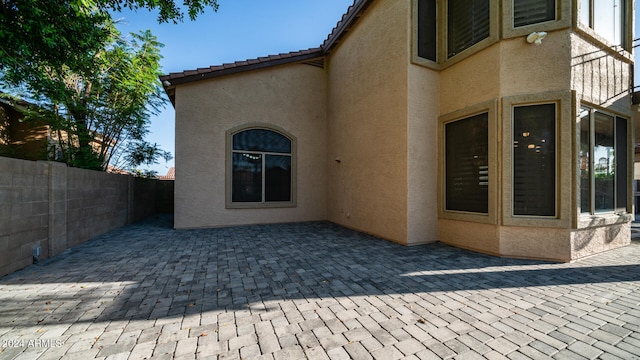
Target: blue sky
pixel 241 29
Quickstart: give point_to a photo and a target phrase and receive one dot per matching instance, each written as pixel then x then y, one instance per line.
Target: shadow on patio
pixel 150 271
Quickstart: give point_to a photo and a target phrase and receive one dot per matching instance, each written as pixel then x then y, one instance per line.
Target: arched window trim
pixel 230 204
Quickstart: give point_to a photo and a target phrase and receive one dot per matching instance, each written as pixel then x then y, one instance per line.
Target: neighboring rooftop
pixel 171 174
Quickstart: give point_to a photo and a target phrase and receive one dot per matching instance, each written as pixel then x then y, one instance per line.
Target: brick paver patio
pixel 317 291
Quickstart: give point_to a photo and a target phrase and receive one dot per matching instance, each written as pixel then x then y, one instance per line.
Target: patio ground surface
pixel 317 291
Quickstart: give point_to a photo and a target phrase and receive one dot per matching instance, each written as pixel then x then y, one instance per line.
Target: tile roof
pixel 114 170
pixel 171 174
pixel 239 66
pixel 309 55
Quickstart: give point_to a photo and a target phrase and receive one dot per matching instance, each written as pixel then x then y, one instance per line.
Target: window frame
pixel 416 33
pixel 554 7
pixel 229 203
pixel 563 101
pixel 562 20
pixel 586 218
pixel 442 60
pixel 491 108
pixel 626 31
pixel 494 21
pixel 556 157
pixel 467 164
pixel 472 30
pixel 416 59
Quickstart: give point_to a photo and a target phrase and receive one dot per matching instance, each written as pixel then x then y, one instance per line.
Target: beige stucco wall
pixel 292 97
pixel 592 240
pixel 562 244
pixel 599 77
pixel 547 243
pixel 506 69
pixel 471 81
pixel 470 235
pixel 535 243
pixel 422 155
pixel 367 123
pixel 565 61
pixel 529 69
pixel 555 244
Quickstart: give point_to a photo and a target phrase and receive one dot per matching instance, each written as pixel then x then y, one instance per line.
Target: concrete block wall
pixel 55 207
pixel 24 212
pixel 96 203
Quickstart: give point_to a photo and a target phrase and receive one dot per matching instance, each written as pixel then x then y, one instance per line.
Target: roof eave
pixel 179 78
pixel 170 81
pixel 343 26
pixel 352 15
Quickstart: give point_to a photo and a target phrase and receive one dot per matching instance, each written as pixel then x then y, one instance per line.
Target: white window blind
pixel 534 160
pixel 468 23
pixel 467 164
pixel 527 12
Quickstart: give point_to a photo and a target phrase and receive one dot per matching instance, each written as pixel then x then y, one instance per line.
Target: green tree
pixel 96 89
pixel 69 32
pixel 100 116
pixel 168 9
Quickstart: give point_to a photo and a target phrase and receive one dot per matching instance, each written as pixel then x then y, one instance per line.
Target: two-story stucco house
pixel 498 126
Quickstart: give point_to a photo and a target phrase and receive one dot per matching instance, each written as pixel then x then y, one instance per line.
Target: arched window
pixel 261 168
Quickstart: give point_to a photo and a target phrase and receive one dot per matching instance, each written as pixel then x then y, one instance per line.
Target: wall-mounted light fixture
pixel 536 37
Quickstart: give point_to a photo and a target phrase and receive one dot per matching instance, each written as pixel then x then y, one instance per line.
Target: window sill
pixel 536 221
pixel 430 64
pixel 618 51
pixel 253 205
pixel 467 216
pixel 604 219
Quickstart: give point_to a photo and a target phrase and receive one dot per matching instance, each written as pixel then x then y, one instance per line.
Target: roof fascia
pixel 210 74
pixel 347 21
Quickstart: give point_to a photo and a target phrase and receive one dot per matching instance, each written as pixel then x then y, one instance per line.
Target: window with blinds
pixel 468 22
pixel 467 164
pixel 528 12
pixel 534 160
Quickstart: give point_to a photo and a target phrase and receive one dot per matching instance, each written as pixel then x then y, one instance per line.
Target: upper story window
pixel 468 23
pixel 446 30
pixel 261 168
pixel 606 17
pixel 529 12
pixel 427 29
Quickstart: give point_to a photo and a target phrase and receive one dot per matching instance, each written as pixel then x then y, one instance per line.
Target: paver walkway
pixel 317 291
